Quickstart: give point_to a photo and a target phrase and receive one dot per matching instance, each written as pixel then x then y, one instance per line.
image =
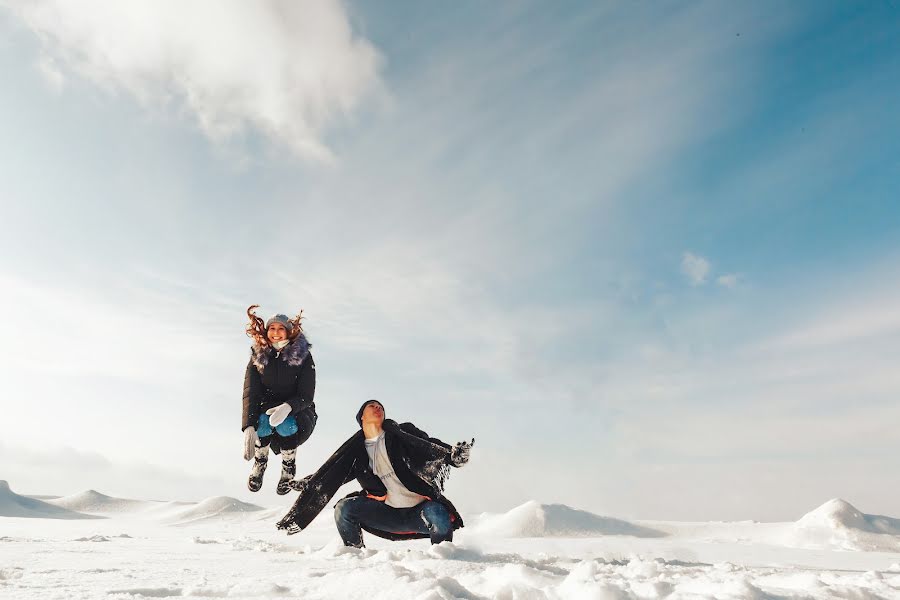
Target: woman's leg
pixel 306 423
pixel 260 461
pixel 288 470
pixel 291 433
pixel 284 442
pixel 261 455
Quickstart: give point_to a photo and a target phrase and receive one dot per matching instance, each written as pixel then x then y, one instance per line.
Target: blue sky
pixel 646 254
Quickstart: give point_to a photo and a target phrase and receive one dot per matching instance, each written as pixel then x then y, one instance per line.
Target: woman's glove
pixel 278 414
pixel 459 454
pixel 250 439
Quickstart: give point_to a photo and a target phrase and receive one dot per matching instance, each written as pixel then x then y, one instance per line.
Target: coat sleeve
pixel 413 430
pixel 253 390
pixel 322 486
pixel 305 393
pixel 352 473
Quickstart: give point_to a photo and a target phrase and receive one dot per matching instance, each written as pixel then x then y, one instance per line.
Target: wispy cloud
pixel 729 280
pixel 869 317
pixel 284 70
pixel 695 267
pixel 456 256
pixel 52 74
pixel 67 470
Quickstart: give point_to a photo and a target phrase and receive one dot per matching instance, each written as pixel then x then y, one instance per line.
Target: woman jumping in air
pixel 279 387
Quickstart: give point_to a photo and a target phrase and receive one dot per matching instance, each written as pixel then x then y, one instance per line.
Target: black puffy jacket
pixel 274 377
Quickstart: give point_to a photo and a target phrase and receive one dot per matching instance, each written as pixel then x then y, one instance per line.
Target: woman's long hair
pixel 257 327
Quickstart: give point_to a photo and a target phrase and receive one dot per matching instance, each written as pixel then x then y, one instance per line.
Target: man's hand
pixel 278 414
pixel 250 439
pixel 459 455
pixel 300 485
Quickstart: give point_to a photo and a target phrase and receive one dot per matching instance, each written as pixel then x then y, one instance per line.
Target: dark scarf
pixel 293 354
pixel 429 461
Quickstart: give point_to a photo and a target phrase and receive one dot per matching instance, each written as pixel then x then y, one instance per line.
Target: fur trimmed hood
pixel 293 354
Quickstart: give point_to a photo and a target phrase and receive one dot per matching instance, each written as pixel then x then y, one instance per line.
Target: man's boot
pixel 288 469
pixel 260 461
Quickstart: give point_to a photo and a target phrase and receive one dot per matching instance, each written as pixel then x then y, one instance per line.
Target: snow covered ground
pixel 94 546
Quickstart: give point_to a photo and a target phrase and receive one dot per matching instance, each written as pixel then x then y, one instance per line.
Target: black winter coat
pixel 273 378
pixel 420 462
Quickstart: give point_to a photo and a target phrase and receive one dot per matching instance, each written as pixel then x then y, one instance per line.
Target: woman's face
pixel 276 332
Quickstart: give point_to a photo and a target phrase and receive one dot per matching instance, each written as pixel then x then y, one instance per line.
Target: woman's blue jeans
pixel 284 429
pixel 430 518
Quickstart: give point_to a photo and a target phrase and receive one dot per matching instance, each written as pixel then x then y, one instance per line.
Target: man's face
pixel 373 413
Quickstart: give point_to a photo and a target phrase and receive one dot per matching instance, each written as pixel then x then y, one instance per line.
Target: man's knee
pixel 343 510
pixel 436 516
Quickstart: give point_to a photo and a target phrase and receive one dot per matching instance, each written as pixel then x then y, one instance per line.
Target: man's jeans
pixel 429 517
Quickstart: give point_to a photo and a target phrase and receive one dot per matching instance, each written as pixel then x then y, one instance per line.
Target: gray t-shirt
pixel 398 496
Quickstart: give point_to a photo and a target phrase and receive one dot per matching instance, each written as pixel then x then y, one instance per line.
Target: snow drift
pixel 532 551
pixel 14 505
pixel 92 501
pixel 556 520
pixel 837 523
pixel 217 506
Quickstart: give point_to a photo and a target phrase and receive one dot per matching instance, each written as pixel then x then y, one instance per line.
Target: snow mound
pixel 15 505
pixel 217 506
pixel 533 519
pixel 162 509
pixel 837 523
pixel 92 501
pixel 840 514
pixel 269 514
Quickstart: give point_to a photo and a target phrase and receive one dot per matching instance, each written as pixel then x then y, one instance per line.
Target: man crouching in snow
pixel 402 472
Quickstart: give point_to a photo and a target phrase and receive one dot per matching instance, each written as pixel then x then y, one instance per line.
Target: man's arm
pixel 459 453
pixel 316 490
pixel 413 430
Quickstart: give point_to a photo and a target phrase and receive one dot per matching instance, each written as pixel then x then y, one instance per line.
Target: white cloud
pixel 695 267
pixel 155 336
pixel 285 70
pixel 866 317
pixel 729 281
pixel 52 75
pixel 67 470
pixel 400 300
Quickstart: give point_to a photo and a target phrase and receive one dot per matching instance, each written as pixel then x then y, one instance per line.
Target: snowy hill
pixel 532 551
pixel 837 523
pixel 14 505
pixel 556 520
pixel 163 509
pixel 94 502
pixel 217 506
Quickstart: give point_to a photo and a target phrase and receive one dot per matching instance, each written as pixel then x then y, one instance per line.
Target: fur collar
pixel 293 354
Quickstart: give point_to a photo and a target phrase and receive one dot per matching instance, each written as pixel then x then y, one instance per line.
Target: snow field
pixel 163 562
pixel 224 548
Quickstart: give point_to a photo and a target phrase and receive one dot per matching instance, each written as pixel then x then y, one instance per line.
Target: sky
pixel 647 255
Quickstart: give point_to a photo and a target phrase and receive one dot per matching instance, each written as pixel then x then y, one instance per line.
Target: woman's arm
pixel 253 390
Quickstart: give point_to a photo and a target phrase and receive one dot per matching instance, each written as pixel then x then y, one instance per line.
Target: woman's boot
pixel 260 461
pixel 288 469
